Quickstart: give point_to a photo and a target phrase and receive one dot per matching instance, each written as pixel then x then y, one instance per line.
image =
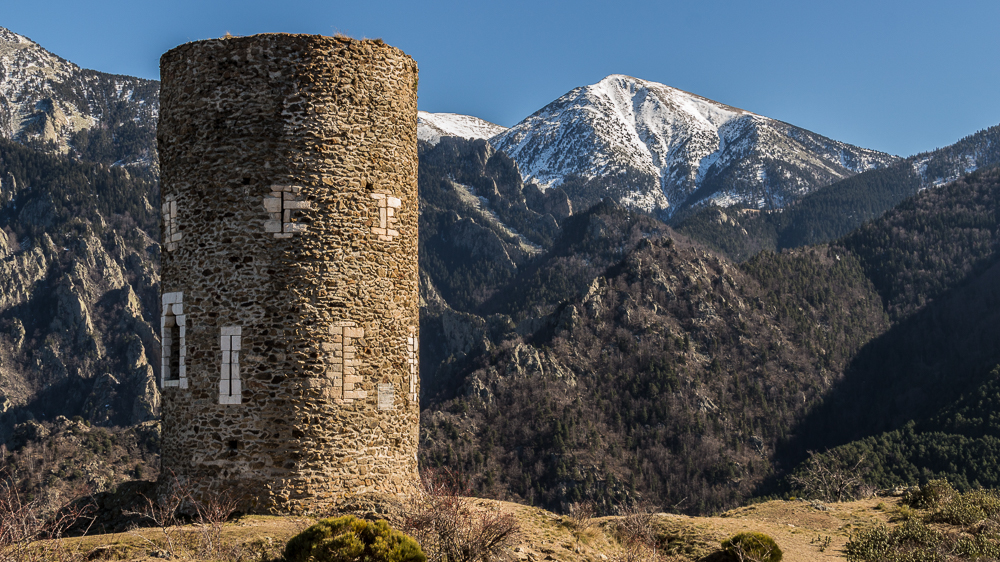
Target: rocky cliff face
pixel 78 305
pixel 79 251
pixel 479 226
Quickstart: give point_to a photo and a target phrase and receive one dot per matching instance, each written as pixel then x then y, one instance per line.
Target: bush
pixel 752 547
pixel 452 528
pixel 911 541
pixel 636 531
pixel 930 495
pixel 970 508
pixel 349 539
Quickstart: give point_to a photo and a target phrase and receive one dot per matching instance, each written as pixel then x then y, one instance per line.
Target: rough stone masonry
pixel 289 272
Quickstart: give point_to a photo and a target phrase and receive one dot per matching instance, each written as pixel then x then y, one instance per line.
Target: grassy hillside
pixel 803 530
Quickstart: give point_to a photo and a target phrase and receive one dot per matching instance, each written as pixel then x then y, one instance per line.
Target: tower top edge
pixel 305 41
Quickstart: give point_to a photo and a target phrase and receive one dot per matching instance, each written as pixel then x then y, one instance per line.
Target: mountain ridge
pixel 835 210
pixel 566 355
pixel 675 149
pixel 432 126
pixel 52 104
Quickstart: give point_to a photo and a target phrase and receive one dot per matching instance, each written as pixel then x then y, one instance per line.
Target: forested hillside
pixel 79 260
pixel 921 397
pixel 675 374
pixel 672 376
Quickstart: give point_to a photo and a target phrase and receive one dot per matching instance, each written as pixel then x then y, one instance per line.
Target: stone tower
pixel 289 269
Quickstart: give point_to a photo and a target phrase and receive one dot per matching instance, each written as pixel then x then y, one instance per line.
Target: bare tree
pixel 449 526
pixel 636 532
pixel 580 519
pixel 832 478
pixel 208 512
pixel 24 521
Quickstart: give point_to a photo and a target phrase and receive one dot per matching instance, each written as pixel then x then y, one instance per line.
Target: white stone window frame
pixel 343 362
pixel 387 210
pixel 279 206
pixel 171 234
pixel 412 347
pixel 173 316
pixel 230 387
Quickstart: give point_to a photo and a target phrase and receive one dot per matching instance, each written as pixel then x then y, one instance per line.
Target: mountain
pixel 661 150
pixel 79 259
pixel 50 103
pixel 663 372
pixel 79 250
pixel 920 401
pixel 432 126
pixel 835 210
pixel 644 366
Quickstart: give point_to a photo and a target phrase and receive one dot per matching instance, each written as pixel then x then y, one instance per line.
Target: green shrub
pixel 970 508
pixel 978 547
pixel 348 539
pixel 930 495
pixel 903 513
pixel 912 541
pixel 755 547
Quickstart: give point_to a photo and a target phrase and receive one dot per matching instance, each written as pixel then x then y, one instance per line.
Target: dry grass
pixel 805 531
pixel 248 539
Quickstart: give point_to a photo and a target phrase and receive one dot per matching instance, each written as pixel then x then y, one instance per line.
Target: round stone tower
pixel 289 269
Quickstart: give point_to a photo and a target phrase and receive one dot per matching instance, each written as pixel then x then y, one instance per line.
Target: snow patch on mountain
pixel 687 147
pixel 432 126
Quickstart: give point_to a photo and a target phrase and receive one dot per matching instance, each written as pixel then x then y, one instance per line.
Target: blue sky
pixel 902 77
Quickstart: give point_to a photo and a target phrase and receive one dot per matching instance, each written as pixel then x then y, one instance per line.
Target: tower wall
pixel 289 268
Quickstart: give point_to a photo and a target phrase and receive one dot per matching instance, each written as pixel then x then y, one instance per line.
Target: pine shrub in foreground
pixel 752 547
pixel 349 539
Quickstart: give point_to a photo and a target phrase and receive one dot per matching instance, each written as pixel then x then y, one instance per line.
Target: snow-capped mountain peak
pixel 658 148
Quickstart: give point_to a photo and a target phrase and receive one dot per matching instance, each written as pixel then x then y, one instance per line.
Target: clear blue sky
pixel 902 77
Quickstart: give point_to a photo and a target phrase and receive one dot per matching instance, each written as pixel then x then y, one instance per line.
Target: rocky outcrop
pixel 552 201
pixel 72 317
pixel 76 329
pixel 20 271
pixel 47 123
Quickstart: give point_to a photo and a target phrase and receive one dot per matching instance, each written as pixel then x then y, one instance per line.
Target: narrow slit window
pixel 173 370
pixel 230 389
